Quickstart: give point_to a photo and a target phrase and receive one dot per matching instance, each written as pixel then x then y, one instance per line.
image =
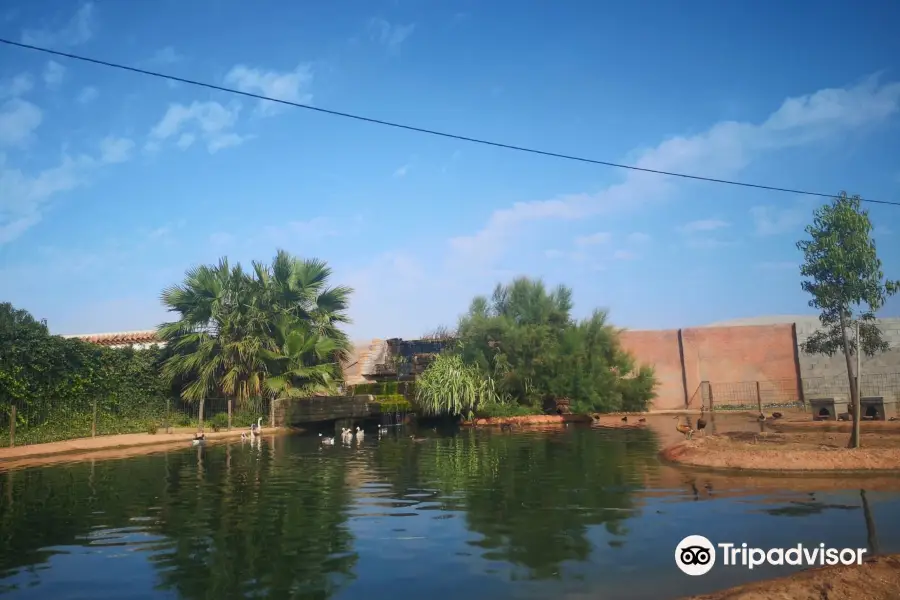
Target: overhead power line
pixel 442 134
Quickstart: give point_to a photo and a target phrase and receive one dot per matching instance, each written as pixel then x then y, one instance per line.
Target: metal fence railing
pixel 786 393
pixel 38 422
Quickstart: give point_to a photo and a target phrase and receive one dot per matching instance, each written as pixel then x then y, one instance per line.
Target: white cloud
pixel 18 120
pixel 24 197
pixel 401 171
pixel 17 86
pixel 553 254
pixel 722 150
pixel 186 140
pixel 53 74
pixel 290 86
pixel 211 121
pixel 773 220
pixel 703 225
pixel 78 30
pixel 389 35
pixel 87 95
pixel 593 239
pixel 115 149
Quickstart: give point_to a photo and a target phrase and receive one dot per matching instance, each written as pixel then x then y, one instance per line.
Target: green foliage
pixel 272 331
pixel 526 341
pixel 55 382
pixel 450 387
pixel 843 275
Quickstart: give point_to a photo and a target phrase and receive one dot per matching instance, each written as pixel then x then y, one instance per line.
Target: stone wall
pixel 326 408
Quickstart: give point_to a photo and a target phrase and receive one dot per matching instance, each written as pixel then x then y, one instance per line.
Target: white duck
pixel 328 441
pixel 256 428
pixel 346 435
pixel 199 439
pixel 359 434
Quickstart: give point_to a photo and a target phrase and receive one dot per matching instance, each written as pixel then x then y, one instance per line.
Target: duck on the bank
pixel 199 439
pixel 642 420
pixel 328 441
pixel 777 415
pixel 761 417
pixel 683 429
pixel 701 422
pixel 625 419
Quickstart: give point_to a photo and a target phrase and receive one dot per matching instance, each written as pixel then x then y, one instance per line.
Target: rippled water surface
pixel 475 514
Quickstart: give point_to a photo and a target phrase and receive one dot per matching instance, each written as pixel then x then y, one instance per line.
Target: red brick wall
pixel 660 350
pixel 720 355
pixel 741 354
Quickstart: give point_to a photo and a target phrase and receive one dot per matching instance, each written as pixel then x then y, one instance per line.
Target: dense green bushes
pixel 524 346
pixel 55 382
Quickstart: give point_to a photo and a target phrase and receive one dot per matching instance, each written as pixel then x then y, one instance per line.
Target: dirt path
pixel 108 446
pixel 876 579
pixel 808 451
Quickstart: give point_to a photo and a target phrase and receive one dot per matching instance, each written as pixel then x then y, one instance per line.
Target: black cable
pixel 452 136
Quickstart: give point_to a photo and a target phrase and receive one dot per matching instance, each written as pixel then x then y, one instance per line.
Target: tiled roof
pixel 120 338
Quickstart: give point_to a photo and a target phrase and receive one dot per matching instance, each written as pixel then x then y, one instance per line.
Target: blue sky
pixel 112 184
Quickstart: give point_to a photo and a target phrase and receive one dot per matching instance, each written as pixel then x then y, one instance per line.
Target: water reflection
pixel 476 513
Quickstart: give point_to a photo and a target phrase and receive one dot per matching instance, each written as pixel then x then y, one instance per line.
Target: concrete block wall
pixel 827 375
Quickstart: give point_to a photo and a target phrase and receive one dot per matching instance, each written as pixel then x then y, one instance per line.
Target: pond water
pixel 561 513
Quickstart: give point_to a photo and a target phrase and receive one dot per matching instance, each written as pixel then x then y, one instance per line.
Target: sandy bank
pixel 876 579
pixel 812 451
pixel 108 446
pixel 528 420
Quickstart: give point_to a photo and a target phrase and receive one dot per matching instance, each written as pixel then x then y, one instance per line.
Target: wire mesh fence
pixel 37 422
pixel 788 393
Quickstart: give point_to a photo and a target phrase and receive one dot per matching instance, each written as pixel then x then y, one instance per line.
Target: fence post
pixel 758 398
pixel 229 413
pixel 272 412
pixel 94 419
pixel 12 426
pixel 711 409
pixel 168 414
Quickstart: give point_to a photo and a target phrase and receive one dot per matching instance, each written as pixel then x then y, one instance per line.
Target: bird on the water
pixel 256 428
pixel 328 441
pixel 199 439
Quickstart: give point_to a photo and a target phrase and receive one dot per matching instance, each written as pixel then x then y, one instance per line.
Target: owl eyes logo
pixel 695 555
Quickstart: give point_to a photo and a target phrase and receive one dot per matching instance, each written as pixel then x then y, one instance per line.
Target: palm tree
pixel 272 331
pixel 302 363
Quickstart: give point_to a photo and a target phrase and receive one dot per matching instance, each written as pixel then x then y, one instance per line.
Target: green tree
pixel 526 341
pixel 271 331
pixel 843 275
